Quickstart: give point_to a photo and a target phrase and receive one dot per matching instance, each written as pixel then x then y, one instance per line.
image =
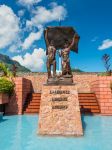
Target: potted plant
pixel 6 89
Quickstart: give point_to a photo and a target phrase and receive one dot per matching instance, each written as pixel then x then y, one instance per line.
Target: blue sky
pixel 22 23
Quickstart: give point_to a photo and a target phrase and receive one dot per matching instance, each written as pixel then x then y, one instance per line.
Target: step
pixel 36 93
pixel 87 101
pixel 86 95
pixel 38 96
pixel 90 111
pixel 31 111
pixel 33 107
pixel 34 101
pixel 90 107
pixel 88 104
pixel 87 98
pixel 32 104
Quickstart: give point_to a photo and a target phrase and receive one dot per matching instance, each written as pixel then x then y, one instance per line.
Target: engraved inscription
pixel 59 92
pixel 55 100
pixel 60 107
pixel 59 99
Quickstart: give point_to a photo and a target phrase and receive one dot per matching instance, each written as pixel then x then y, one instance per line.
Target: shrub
pixel 104 74
pixel 5 70
pixel 6 86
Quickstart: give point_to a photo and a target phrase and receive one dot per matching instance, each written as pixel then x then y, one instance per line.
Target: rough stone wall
pixel 37 82
pixel 3 98
pixel 83 81
pixel 60 117
pixel 16 102
pixel 103 92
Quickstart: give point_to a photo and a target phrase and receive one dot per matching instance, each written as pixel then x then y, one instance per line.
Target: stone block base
pixel 60 111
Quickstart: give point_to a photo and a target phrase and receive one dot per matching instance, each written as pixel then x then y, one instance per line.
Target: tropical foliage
pixel 6 86
pixel 5 70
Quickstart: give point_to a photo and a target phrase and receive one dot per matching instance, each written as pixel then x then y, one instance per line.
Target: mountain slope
pixel 77 70
pixel 9 62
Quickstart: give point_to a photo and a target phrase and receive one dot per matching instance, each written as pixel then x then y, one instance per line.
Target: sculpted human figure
pixel 66 69
pixel 51 60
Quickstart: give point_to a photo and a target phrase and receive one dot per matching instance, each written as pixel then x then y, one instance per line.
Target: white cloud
pixel 9 26
pixel 29 2
pixel 35 61
pixel 105 44
pixel 13 29
pixel 33 36
pixel 43 15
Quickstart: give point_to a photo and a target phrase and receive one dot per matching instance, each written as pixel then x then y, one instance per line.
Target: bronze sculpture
pixel 51 60
pixel 64 53
pixel 66 39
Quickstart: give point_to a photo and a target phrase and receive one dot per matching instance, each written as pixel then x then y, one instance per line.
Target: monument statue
pixel 59 108
pixel 51 60
pixel 66 39
pixel 64 53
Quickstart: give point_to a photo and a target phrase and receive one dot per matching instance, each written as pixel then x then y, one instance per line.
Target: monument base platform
pixel 60 111
pixel 65 80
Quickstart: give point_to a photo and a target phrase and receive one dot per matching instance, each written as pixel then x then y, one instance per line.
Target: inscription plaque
pixel 59 107
pixel 59 99
pixel 59 92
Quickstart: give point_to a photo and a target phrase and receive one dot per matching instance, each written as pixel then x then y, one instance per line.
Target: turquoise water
pixel 20 133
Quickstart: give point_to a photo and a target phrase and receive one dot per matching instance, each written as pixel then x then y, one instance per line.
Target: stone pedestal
pixel 60 111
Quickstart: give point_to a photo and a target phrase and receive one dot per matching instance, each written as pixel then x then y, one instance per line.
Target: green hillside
pixel 77 70
pixel 9 63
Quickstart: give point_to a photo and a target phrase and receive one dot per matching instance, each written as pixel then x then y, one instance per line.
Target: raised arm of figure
pixel 72 43
pixel 46 37
pixel 47 42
